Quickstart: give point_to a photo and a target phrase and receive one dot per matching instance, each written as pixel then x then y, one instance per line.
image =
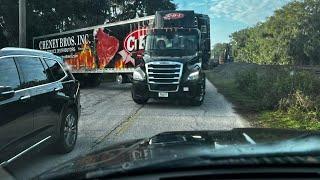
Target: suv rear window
pixel 8 73
pixel 55 68
pixel 32 71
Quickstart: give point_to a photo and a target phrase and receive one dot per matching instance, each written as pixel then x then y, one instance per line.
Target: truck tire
pixel 119 79
pixel 141 100
pixel 198 100
pixel 122 78
pixel 68 133
pixel 205 66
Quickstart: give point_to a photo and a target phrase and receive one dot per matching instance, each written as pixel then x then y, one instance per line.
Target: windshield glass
pixel 164 42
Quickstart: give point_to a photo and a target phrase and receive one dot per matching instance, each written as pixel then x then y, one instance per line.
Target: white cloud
pixel 228 16
pixel 246 11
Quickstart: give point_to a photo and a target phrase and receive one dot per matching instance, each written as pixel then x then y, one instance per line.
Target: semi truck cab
pixel 174 59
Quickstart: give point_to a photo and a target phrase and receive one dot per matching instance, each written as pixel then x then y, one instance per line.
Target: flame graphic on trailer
pixel 83 59
pixel 119 64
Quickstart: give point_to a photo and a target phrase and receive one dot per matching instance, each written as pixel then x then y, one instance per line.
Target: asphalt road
pixel 109 115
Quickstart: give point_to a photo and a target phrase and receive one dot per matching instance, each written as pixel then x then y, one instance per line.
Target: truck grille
pixel 164 76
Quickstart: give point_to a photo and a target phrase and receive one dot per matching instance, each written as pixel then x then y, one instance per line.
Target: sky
pixel 228 16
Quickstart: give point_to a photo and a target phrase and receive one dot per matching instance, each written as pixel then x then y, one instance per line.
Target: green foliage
pixel 289 119
pixel 271 85
pixel 298 101
pixel 219 50
pixel 290 36
pixel 271 96
pixel 45 17
pixel 297 110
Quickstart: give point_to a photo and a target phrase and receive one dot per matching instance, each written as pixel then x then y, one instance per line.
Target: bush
pixel 248 82
pixel 271 96
pixel 274 83
pixel 296 111
pixel 298 103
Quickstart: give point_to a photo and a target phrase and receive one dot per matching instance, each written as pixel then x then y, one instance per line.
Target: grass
pixel 228 88
pixel 224 78
pixel 244 105
pixel 279 119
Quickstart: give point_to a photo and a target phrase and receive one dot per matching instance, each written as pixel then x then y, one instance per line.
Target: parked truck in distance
pixel 113 48
pixel 177 50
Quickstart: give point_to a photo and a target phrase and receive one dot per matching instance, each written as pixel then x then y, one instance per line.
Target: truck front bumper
pixel 189 89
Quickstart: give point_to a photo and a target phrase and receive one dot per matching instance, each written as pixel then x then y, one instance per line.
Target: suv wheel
pixel 68 132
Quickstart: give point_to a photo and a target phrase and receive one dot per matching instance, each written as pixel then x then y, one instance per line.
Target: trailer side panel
pixel 105 49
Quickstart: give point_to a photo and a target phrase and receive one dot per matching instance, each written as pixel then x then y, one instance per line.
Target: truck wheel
pixel 68 132
pixel 122 78
pixel 142 100
pixel 205 67
pixel 119 79
pixel 198 100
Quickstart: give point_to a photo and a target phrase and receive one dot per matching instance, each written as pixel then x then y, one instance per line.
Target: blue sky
pixel 228 16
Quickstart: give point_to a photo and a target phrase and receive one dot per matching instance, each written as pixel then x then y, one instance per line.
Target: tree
pixel 219 49
pixel 45 17
pixel 156 5
pixel 290 36
pixel 309 37
pixel 3 39
pixel 10 21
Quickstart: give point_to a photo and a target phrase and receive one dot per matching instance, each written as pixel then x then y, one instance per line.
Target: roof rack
pixel 23 49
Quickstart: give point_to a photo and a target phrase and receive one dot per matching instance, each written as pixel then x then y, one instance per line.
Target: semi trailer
pixel 113 48
pixel 177 50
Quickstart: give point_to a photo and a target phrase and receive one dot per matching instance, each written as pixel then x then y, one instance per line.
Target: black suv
pixel 39 103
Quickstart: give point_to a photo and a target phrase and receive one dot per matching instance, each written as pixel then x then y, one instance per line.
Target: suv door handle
pixel 25 97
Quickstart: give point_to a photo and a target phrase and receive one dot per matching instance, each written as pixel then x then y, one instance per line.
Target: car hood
pixel 170 145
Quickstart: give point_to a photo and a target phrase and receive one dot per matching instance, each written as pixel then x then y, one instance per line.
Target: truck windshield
pixel 170 42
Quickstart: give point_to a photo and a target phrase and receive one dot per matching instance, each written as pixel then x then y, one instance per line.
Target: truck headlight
pixel 193 76
pixel 139 75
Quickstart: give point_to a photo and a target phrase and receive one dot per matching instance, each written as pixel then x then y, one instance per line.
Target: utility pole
pixel 22 24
